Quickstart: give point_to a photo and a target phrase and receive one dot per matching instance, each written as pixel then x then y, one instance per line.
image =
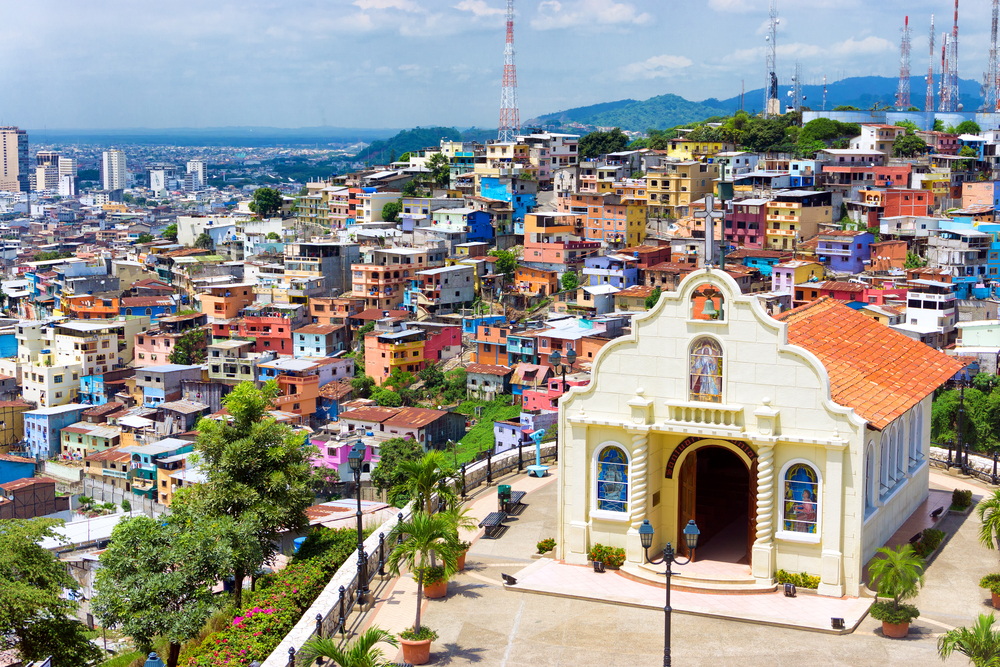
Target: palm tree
pixel 362 652
pixel 899 574
pixel 422 534
pixel 988 512
pixel 981 644
pixel 425 477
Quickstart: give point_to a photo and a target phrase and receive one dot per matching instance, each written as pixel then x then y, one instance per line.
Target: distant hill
pixel 670 110
pixel 214 136
pixel 407 140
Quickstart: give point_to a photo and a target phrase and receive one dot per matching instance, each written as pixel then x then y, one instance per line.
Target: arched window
pixel 800 509
pixel 900 450
pixel 870 476
pixel 128 311
pixel 911 442
pixel 883 463
pixel 612 480
pixel 149 311
pixel 706 371
pixel 919 447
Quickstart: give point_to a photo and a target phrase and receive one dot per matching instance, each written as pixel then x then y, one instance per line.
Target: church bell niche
pixel 708 304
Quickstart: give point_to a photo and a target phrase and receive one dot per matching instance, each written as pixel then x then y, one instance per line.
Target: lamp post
pixel 963 448
pixel 356 458
pixel 555 360
pixel 691 534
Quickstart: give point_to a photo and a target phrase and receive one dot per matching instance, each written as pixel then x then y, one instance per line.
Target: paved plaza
pixel 482 623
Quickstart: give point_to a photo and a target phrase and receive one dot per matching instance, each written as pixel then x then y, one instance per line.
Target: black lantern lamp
pixel 356 458
pixel 691 534
pixel 556 361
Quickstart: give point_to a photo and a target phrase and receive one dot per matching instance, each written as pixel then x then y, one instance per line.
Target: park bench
pixel 493 523
pixel 516 498
pixel 936 513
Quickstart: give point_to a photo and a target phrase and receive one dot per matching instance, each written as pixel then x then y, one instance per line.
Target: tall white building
pixel 14 173
pixel 113 173
pixel 200 170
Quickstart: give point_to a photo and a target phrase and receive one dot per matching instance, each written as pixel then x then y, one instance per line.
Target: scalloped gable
pixel 878 372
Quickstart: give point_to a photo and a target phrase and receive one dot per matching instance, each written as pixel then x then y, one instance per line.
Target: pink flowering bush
pixel 273 609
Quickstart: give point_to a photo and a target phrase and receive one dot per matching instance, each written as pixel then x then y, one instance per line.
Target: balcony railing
pixel 711 415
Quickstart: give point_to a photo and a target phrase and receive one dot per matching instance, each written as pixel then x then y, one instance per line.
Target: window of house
pixel 58 379
pixel 612 480
pixel 800 508
pixel 706 371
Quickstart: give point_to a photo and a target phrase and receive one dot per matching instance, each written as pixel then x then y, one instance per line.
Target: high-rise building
pixel 14 173
pixel 46 177
pixel 200 170
pixel 113 174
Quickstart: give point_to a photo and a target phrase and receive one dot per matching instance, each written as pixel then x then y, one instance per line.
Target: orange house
pixel 491 345
pixel 90 307
pixel 298 384
pixel 226 301
pixel 535 281
pixel 387 350
pixel 334 310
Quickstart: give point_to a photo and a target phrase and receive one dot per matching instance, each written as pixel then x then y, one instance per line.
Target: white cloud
pixel 736 6
pixel 656 67
pixel 553 14
pixel 479 8
pixel 868 45
pixel 402 5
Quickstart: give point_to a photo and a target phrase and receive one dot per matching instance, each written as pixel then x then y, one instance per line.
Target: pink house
pixel 443 342
pixel 547 398
pixel 334 453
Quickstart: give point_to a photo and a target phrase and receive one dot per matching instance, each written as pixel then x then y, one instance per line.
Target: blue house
pixel 13 468
pixel 803 173
pixel 619 271
pixel 469 324
pixel 475 224
pixel 845 250
pixel 758 258
pixel 520 194
pixel 153 307
pixel 42 428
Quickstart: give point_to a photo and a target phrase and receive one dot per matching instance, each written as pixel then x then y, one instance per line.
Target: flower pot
pixel 434 591
pixel 895 630
pixel 461 561
pixel 416 652
pixel 996 600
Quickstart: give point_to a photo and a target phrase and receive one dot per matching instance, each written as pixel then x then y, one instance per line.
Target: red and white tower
pixel 903 89
pixel 510 119
pixel 991 79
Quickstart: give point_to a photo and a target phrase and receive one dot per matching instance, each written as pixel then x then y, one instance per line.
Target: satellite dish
pixel 767 38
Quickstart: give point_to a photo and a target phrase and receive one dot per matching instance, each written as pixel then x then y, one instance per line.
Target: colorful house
pixel 845 251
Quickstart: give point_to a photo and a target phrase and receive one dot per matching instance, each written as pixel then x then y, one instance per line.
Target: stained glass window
pixel 612 480
pixel 706 371
pixel 801 501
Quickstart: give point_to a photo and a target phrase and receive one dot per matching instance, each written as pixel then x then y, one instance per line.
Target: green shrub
pixel 882 610
pixel 548 544
pixel 960 498
pixel 930 539
pixel 425 633
pixel 610 556
pixel 433 575
pixel 991 582
pixel 800 580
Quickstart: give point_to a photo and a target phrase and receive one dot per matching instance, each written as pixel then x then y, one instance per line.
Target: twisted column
pixel 640 453
pixel 765 494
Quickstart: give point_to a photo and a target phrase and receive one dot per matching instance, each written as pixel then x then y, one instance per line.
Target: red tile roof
pixel 839 286
pixel 641 291
pixel 27 481
pixel 319 329
pixel 878 372
pixel 414 417
pixel 369 414
pixel 487 369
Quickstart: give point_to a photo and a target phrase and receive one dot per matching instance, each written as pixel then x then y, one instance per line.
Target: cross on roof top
pixel 709 215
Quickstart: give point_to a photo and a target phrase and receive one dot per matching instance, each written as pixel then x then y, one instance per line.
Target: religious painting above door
pixel 706 371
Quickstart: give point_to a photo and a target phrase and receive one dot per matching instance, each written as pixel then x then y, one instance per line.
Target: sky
pixel 403 63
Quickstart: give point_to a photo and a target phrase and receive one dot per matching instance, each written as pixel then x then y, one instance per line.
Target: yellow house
pixel 673 186
pixel 690 149
pixel 795 216
pixel 939 186
pixel 633 299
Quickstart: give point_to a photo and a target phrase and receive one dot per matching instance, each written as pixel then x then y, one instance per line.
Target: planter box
pixel 416 652
pixel 547 554
pixel 436 591
pixel 895 630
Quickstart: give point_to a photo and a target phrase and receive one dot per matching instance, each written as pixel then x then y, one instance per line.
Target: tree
pixel 273 236
pixel 908 145
pixel 362 386
pixel 910 126
pixel 266 202
pixel 156 579
pixel 432 377
pixel 440 169
pixel 968 127
pixel 506 264
pixel 399 379
pixel 386 398
pixel 968 151
pixel 981 644
pixel 324 480
pixel 144 238
pixel 596 144
pixel 570 281
pixel 913 261
pixel 170 233
pixel 411 189
pixel 362 652
pixel 190 348
pixel 387 475
pixel 653 298
pixel 32 605
pixel 259 472
pixel 204 241
pixel 425 477
pixel 126 505
pixel 405 157
pixel 422 535
pixel 988 512
pixel 391 211
pixel 938 125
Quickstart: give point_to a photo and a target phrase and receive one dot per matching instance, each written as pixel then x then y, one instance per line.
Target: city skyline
pixel 401 63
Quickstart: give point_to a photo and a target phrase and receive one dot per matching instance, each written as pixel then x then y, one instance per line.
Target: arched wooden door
pixel 687 498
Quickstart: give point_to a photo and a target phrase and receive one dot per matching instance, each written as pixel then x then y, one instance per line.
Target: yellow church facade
pixel 799 444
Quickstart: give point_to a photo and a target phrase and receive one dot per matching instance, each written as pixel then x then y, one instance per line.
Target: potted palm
pixel 422 534
pixel 981 644
pixel 461 519
pixel 899 574
pixel 988 512
pixel 991 582
pixel 362 652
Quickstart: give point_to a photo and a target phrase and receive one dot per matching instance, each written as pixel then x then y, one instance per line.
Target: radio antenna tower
pixel 945 88
pixel 510 119
pixel 824 92
pixel 796 91
pixel 929 102
pixel 953 95
pixel 991 79
pixel 903 89
pixel 772 106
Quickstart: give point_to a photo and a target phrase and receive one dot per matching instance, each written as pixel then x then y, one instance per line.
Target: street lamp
pixel 356 458
pixel 555 360
pixel 691 534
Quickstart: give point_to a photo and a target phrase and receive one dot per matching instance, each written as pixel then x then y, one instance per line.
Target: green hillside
pixel 660 113
pixel 408 140
pixel 579 114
